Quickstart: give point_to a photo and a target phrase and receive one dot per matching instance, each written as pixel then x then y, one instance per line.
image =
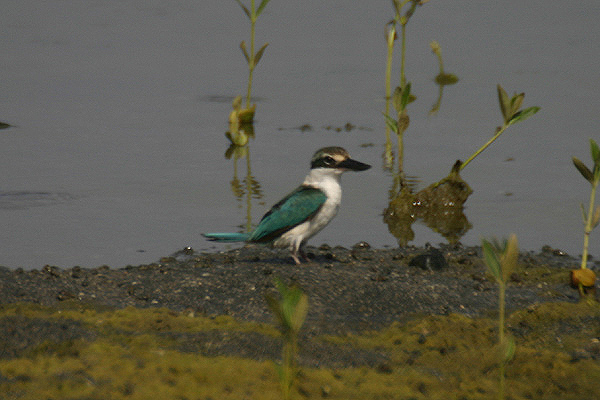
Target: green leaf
pixel 509 257
pixel 390 32
pixel 504 103
pixel 299 314
pixel 244 51
pixel 397 6
pixel 391 123
pixel 509 349
pixel 446 79
pixel 261 7
pixel 595 150
pixel 515 103
pixel 291 309
pixel 583 169
pixel 491 259
pixel 523 115
pixel 259 54
pixel 275 307
pixel 243 8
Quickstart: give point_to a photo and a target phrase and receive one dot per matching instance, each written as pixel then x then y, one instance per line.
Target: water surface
pixel 119 108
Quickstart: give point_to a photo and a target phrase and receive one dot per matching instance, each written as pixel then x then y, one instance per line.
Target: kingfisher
pixel 305 211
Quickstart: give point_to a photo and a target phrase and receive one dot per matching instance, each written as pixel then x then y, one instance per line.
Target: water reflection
pixel 442 78
pixel 439 206
pixel 240 131
pixel 246 188
pixel 241 127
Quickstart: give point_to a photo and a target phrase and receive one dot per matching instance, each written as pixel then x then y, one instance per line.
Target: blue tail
pixel 227 237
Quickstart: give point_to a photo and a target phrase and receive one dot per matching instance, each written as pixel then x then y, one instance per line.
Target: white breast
pixel 327 180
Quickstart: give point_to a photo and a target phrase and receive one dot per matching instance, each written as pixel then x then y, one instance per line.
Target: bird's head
pixel 337 159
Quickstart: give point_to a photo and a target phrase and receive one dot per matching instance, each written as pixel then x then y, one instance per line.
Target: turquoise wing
pixel 297 207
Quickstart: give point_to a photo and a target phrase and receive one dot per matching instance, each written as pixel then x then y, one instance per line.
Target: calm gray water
pixel 120 108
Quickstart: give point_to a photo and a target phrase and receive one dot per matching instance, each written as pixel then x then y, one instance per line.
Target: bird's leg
pixel 303 254
pixel 296 259
pixel 299 251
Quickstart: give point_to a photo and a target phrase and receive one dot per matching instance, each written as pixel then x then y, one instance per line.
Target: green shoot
pixel 511 114
pixel 401 98
pixel 592 217
pixel 501 260
pixel 390 36
pixel 252 58
pixel 584 277
pixel 401 18
pixel 290 310
pixel 403 21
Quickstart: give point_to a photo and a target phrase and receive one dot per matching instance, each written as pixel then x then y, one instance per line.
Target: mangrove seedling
pixel 400 99
pixel 390 37
pixel 290 310
pixel 583 277
pixel 252 58
pixel 401 18
pixel 511 114
pixel 501 260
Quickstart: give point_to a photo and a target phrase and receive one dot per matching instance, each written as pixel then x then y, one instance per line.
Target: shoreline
pixel 403 280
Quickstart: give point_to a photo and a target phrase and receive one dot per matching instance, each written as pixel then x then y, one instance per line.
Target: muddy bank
pixel 349 289
pixel 390 311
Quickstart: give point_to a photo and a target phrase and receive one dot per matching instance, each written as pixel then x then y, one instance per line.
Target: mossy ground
pixel 135 353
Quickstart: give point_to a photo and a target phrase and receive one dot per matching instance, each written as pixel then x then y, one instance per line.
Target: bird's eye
pixel 329 160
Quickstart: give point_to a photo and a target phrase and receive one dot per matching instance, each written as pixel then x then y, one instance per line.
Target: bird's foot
pixel 299 256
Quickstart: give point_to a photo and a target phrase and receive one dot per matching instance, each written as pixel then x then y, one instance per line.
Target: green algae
pixel 134 319
pixel 453 356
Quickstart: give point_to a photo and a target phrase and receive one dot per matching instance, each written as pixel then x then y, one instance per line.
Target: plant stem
pixel 403 21
pixel 400 135
pixel 402 57
pixel 388 81
pixel 439 56
pixel 290 349
pixel 388 68
pixel 588 228
pixel 485 146
pixel 251 55
pixel 501 306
